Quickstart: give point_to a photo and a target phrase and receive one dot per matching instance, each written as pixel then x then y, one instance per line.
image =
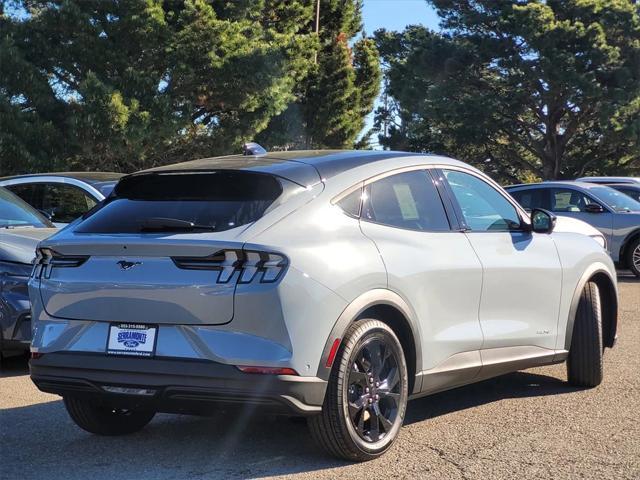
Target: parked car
pixel 335 285
pixel 608 180
pixel 612 212
pixel 21 228
pixel 62 197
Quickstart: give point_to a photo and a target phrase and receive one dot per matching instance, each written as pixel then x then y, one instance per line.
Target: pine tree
pixel 333 101
pixel 543 88
pixel 113 85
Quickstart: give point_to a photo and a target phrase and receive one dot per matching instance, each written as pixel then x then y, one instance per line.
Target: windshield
pixel 183 202
pixel 14 212
pixel 616 200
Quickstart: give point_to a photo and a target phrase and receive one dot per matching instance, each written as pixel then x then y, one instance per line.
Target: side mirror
pixel 542 221
pixel 594 208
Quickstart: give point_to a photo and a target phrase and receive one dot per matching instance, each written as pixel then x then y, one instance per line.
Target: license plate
pixel 132 339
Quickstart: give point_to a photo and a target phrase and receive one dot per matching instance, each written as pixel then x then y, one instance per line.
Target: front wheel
pixel 103 420
pixel 366 396
pixel 633 257
pixel 585 361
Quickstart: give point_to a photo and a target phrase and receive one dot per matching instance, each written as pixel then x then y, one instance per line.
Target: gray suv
pixel 612 212
pixel 334 285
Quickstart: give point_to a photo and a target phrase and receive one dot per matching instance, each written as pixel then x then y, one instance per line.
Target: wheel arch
pixel 609 302
pixel 389 308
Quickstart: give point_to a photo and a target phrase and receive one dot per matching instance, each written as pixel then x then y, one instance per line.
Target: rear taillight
pixel 264 267
pixel 47 259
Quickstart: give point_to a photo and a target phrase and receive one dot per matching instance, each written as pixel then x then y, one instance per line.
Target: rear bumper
pixel 174 385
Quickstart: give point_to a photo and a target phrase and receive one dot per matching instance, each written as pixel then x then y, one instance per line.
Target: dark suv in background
pixel 21 229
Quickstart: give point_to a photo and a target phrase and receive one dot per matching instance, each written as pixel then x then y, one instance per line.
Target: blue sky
pixel 395 15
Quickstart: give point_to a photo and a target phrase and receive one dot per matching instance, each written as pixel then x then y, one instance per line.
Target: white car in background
pixel 568 224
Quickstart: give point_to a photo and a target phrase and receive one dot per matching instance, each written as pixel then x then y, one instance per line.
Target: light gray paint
pixel 478 304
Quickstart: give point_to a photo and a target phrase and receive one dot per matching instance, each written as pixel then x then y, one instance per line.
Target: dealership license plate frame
pixel 116 342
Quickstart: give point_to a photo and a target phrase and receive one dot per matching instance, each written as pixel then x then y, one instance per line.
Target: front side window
pixel 566 200
pixel 407 200
pixel 483 207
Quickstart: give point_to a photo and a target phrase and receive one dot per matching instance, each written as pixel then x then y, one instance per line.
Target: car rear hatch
pixel 164 248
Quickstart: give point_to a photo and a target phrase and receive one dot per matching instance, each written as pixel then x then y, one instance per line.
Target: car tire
pixel 585 361
pixel 361 422
pixel 102 420
pixel 633 257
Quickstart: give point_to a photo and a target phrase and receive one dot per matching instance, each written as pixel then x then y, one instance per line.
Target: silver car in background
pixel 614 213
pixel 329 284
pixel 607 180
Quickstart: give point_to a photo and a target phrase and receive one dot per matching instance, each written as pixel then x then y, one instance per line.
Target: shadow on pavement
pixel 514 385
pixel 14 366
pixel 625 276
pixel 230 444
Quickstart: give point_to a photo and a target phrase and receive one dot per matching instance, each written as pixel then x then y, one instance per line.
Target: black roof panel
pixel 303 167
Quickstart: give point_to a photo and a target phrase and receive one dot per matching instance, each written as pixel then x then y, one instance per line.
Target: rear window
pixel 183 202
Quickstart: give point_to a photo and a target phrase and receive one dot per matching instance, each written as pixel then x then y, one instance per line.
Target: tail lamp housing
pixel 46 259
pixel 251 265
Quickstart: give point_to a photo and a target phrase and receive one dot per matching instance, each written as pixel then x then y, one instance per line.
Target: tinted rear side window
pixel 351 203
pixel 208 201
pixel 407 200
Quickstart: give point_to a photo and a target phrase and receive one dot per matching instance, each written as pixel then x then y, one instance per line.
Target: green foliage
pixel 114 85
pixel 543 88
pixel 331 105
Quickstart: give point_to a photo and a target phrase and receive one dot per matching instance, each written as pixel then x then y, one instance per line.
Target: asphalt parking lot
pixel 528 424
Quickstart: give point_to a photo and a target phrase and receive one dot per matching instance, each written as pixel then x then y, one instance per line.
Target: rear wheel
pixel 366 397
pixel 585 361
pixel 633 257
pixel 103 420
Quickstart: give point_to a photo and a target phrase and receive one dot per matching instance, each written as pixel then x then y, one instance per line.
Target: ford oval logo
pixel 124 265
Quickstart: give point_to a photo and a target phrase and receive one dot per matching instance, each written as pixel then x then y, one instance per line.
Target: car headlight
pixel 601 240
pixel 15 269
